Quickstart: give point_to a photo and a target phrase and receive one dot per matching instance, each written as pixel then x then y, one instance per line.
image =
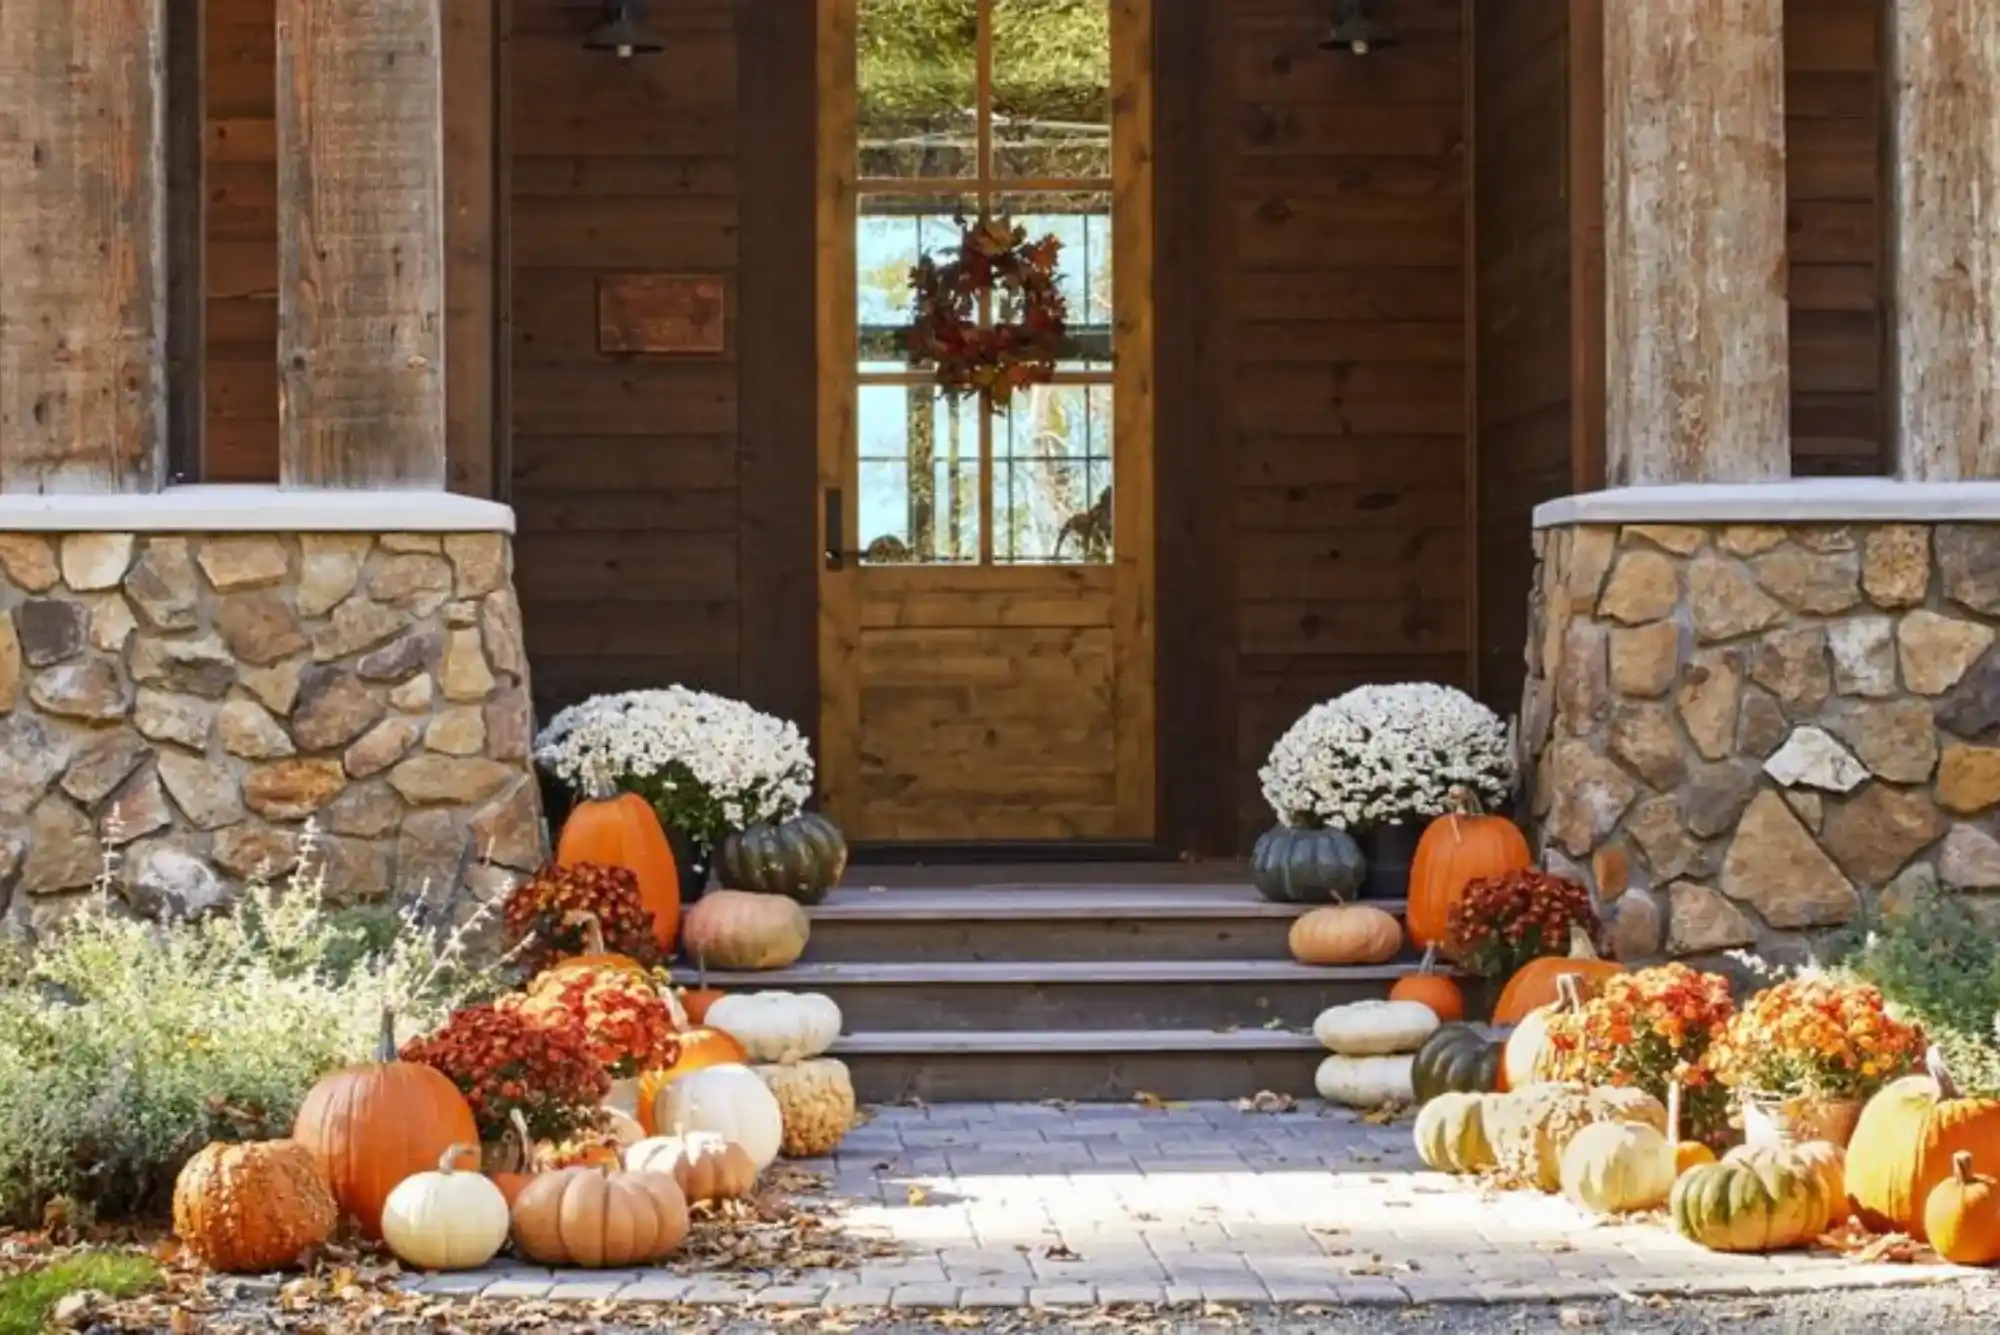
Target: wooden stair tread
pixel 975 973
pixel 1030 1042
pixel 1043 901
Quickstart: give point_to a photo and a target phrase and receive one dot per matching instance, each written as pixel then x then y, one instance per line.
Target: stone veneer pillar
pixel 193 675
pixel 1752 710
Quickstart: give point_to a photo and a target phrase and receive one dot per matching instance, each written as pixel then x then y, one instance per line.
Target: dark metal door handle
pixel 836 525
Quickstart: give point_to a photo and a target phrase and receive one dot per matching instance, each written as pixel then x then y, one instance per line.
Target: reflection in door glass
pixel 919 492
pixel 1052 477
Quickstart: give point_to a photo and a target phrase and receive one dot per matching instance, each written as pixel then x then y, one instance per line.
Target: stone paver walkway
pixel 1013 1205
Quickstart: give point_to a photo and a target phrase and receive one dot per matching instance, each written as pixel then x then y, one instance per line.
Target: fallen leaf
pixel 1265 1101
pixel 1576 1318
pixel 917 1195
pixel 1060 1251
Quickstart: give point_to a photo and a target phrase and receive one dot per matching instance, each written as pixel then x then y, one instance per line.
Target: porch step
pixel 983 997
pixel 1084 1065
pixel 1045 922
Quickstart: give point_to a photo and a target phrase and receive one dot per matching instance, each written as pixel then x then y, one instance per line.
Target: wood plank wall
pixel 1345 304
pixel 625 466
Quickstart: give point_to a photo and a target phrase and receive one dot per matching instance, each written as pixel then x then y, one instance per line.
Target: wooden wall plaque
pixel 661 313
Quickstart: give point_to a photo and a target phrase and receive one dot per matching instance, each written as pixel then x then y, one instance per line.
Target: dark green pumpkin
pixel 801 859
pixel 1457 1059
pixel 1291 866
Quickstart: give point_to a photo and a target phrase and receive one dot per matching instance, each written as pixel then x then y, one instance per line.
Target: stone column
pixel 83 400
pixel 1945 123
pixel 361 287
pixel 1698 360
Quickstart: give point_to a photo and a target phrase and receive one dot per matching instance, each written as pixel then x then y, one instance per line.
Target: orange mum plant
pixel 1649 1030
pixel 627 1026
pixel 1817 1036
pixel 503 1061
pixel 549 915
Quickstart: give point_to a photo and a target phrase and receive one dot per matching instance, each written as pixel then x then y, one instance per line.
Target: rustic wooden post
pixel 360 245
pixel 1945 129
pixel 1697 358
pixel 83 292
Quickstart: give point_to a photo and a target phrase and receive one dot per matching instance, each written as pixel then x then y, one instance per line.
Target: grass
pixel 27 1299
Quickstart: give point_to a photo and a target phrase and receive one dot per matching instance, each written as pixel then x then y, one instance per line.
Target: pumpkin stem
pixel 1428 964
pixel 1460 800
pixel 1580 945
pixel 1961 1167
pixel 1569 992
pixel 385 1050
pixel 593 930
pixel 1940 1073
pixel 448 1161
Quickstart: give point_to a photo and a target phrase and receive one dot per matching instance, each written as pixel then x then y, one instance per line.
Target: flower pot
pixel 1292 866
pixel 1769 1120
pixel 1389 850
pixel 692 860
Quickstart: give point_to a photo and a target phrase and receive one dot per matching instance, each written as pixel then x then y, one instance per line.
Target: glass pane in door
pixel 917 62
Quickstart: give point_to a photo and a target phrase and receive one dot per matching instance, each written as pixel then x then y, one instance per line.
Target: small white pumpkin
pixel 1375 1028
pixel 1366 1082
pixel 730 1101
pixel 707 1167
pixel 446 1220
pixel 1618 1167
pixel 777 1026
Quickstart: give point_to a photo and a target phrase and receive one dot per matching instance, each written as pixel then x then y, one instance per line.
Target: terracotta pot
pixel 1769 1120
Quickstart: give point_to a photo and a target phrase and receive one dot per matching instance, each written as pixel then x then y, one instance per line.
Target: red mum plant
pixel 504 1062
pixel 1652 1029
pixel 627 1026
pixel 1504 921
pixel 549 915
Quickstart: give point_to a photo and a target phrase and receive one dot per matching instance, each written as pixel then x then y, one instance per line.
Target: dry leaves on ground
pixel 785 1228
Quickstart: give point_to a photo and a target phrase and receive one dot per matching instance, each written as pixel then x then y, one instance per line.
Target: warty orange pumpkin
pixel 1456 849
pixel 620 830
pixel 369 1127
pixel 254 1207
pixel 1904 1144
pixel 1534 983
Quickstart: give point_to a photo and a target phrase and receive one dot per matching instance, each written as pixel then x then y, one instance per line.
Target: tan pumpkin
pixel 1451 1133
pixel 250 1208
pixel 707 1167
pixel 1529 1129
pixel 1345 934
pixel 1530 1058
pixel 1764 1202
pixel 598 1218
pixel 736 929
pixel 815 1102
pixel 1617 1168
pixel 1962 1215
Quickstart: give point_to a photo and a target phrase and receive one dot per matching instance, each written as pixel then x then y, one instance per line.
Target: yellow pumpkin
pixel 1451 1133
pixel 1617 1168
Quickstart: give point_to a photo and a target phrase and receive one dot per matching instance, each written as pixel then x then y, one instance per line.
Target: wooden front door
pixel 986 586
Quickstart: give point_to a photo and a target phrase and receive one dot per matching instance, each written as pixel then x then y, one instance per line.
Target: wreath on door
pixel 1028 331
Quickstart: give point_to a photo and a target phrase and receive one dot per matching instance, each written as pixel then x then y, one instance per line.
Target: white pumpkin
pixel 1366 1082
pixel 1375 1028
pixel 446 1220
pixel 1618 1167
pixel 777 1026
pixel 730 1101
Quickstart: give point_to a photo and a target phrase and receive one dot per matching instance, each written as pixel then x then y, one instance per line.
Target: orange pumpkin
pixel 1687 1153
pixel 700 1048
pixel 1534 983
pixel 1431 988
pixel 593 959
pixel 1458 848
pixel 369 1127
pixel 1962 1215
pixel 600 1217
pixel 620 830
pixel 1905 1142
pixel 254 1207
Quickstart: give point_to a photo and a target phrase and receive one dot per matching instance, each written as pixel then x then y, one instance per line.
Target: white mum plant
pixel 707 763
pixel 1380 755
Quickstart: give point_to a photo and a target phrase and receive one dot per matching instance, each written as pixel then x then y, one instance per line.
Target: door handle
pixel 836 530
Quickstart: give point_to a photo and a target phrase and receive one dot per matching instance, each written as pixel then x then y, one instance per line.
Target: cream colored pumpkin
pixel 729 1100
pixel 1375 1028
pixel 1617 1168
pixel 737 929
pixel 707 1167
pixel 446 1220
pixel 777 1026
pixel 1530 1058
pixel 816 1100
pixel 1451 1133
pixel 1366 1082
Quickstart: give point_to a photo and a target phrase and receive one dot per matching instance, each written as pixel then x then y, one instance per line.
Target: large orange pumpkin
pixel 1430 988
pixel 255 1207
pixel 1534 983
pixel 700 1048
pixel 620 830
pixel 1904 1144
pixel 1458 848
pixel 369 1127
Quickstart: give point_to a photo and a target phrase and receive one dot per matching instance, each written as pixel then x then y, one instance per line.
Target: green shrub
pixel 1938 965
pixel 126 1045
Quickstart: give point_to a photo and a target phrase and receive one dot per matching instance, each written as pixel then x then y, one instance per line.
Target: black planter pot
pixel 1292 866
pixel 1389 850
pixel 693 859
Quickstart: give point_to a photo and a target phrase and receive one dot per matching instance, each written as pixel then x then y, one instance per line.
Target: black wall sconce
pixel 1356 30
pixel 622 33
